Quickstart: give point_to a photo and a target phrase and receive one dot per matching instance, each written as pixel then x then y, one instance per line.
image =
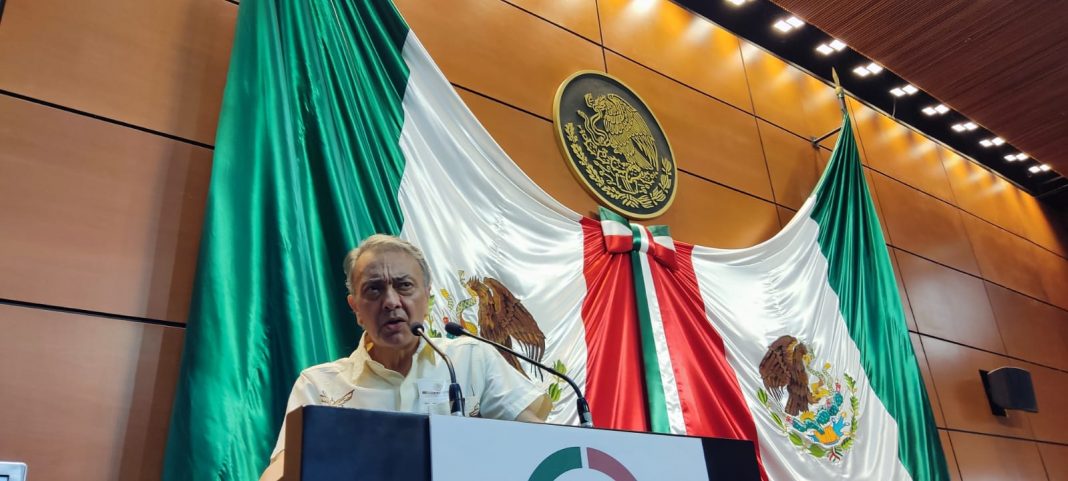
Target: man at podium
pixel 392 369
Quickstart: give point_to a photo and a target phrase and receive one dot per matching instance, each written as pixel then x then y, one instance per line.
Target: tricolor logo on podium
pixel 573 460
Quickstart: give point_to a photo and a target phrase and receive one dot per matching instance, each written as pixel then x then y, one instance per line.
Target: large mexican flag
pixel 336 124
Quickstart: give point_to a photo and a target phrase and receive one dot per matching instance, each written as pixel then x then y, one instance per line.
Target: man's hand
pixel 274 470
pixel 537 412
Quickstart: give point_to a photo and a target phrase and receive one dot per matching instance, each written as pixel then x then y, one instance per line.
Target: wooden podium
pixel 326 443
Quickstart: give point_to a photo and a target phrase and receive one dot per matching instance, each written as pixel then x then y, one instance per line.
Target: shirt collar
pixel 361 357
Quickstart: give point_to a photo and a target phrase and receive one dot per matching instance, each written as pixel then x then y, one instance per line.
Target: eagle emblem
pixel 502 318
pixel 811 407
pixel 615 145
pixel 325 400
pixel 488 308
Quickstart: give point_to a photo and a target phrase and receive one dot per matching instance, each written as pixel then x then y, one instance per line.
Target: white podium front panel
pixel 477 449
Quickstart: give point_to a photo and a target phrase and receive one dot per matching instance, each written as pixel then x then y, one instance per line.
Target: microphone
pixel 456 398
pixel 585 418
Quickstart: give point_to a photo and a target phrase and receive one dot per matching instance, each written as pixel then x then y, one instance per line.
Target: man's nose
pixel 391 300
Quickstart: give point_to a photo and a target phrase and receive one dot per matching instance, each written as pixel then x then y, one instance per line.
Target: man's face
pixel 389 296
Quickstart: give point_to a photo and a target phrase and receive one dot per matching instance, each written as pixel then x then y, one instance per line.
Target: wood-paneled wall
pixel 107 116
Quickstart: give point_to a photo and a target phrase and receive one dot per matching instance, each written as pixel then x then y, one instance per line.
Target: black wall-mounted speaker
pixel 1009 388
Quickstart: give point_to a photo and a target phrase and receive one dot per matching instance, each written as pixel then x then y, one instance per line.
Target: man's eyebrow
pixel 377 279
pixel 371 279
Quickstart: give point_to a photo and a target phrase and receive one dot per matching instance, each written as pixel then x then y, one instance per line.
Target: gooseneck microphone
pixel 585 418
pixel 456 398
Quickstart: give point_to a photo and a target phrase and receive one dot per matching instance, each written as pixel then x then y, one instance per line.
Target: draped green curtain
pixel 860 272
pixel 306 164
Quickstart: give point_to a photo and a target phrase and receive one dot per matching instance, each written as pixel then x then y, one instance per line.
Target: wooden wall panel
pixel 501 51
pixel 794 166
pixel 1055 457
pixel 777 90
pixel 159 65
pixel 902 292
pixel 928 382
pixel 924 225
pixel 982 193
pixel 669 39
pixel 788 97
pixel 97 216
pixel 1005 258
pixel 1045 225
pixel 955 370
pixel 85 398
pixel 785 215
pixel 1031 329
pixel 710 215
pixel 901 153
pixel 709 139
pixel 531 142
pixel 1051 389
pixel 579 16
pixel 949 304
pixel 951 459
pixel 995 200
pixel 993 458
pixel 1053 271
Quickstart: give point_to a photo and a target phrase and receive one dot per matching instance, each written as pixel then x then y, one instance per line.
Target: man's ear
pixel 352 305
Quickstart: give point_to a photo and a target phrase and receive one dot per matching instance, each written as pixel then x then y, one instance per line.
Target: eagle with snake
pixel 502 318
pixel 784 370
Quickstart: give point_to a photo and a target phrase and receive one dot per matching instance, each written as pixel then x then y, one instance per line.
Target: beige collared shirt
pixel 491 388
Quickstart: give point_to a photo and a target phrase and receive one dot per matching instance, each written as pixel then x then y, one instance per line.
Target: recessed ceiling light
pixel 997 141
pixel 788 24
pixel 737 3
pixel 1034 169
pixel 986 143
pixel 959 128
pixel 1010 157
pixel 827 49
pixel 869 69
pixel 1021 156
pixel 1044 167
pixel 903 90
pixel 935 109
pixel 970 126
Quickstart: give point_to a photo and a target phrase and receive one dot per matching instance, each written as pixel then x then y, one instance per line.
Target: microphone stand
pixel 456 397
pixel 585 418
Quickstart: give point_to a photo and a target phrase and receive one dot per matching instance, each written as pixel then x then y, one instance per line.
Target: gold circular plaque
pixel 614 145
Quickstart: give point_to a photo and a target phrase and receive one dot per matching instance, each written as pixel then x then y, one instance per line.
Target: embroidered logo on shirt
pixel 325 400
